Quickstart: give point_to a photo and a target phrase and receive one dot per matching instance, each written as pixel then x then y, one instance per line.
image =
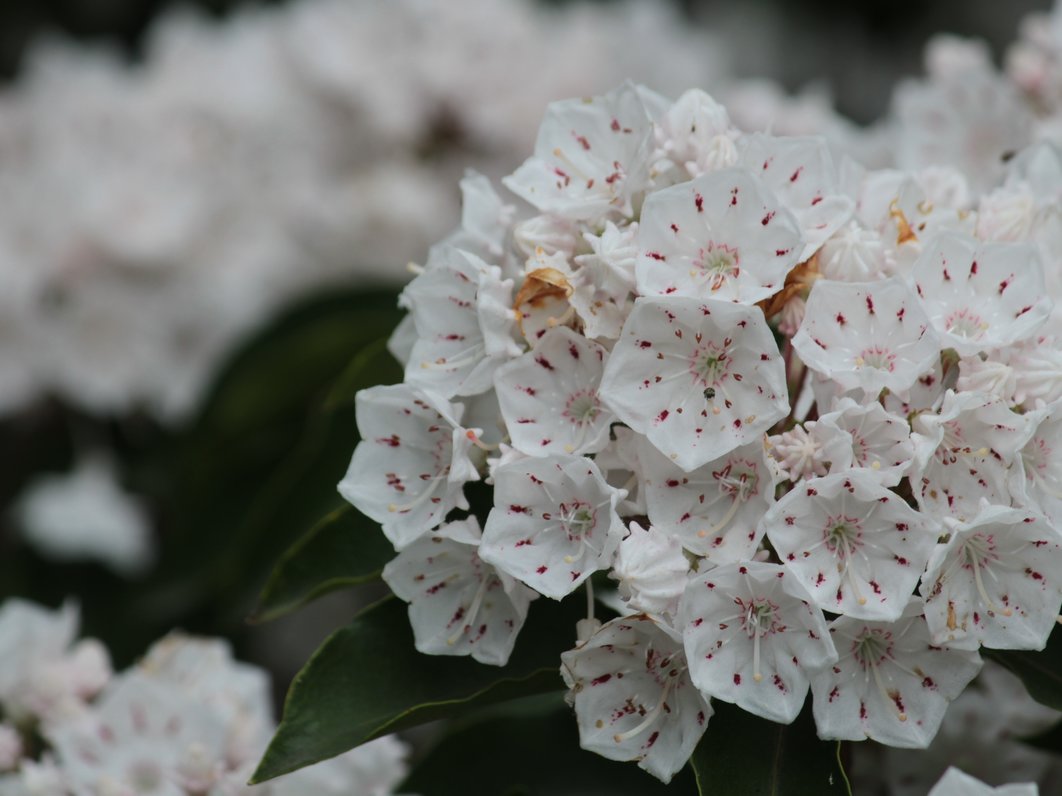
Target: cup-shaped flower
pixel 591 157
pixel 997 582
pixel 800 172
pixel 633 696
pixel 751 637
pixel 553 524
pixel 410 467
pixel 549 398
pixel 890 682
pixel 697 377
pixel 963 452
pixel 458 605
pixel 858 548
pixel 881 441
pixel 461 311
pixel 981 296
pixel 723 235
pixel 714 510
pixel 867 335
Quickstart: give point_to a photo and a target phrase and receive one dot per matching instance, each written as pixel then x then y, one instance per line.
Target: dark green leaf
pixel 367 679
pixel 343 549
pixel 1049 740
pixel 372 365
pixel 742 753
pixel 1040 671
pixel 529 747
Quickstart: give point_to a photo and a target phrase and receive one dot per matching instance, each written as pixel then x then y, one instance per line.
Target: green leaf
pixel 367 679
pixel 372 365
pixel 529 747
pixel 1040 671
pixel 742 753
pixel 344 549
pixel 1049 740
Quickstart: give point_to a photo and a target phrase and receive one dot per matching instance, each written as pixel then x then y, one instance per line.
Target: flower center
pixel 577 519
pixel 872 648
pixel 965 323
pixel 709 364
pixel 582 407
pixel 843 535
pixel 718 262
pixel 876 357
pixel 760 617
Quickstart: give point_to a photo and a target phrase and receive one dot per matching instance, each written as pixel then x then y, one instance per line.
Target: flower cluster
pixel 803 411
pixel 187 720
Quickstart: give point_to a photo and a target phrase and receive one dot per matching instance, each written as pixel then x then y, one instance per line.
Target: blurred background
pixel 206 212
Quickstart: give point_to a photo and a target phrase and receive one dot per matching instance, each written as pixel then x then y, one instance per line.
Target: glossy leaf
pixel 530 747
pixel 367 679
pixel 742 753
pixel 344 549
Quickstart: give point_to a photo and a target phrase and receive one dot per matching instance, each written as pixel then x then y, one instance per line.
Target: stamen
pixel 730 514
pixel 473 609
pixel 479 443
pixel 976 564
pixel 885 693
pixel 650 717
pixel 426 493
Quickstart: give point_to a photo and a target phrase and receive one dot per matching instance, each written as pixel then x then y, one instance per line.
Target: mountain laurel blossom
pixel 803 412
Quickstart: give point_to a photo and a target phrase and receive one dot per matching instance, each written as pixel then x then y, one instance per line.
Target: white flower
pixel 880 441
pixel 485 219
pixel 651 568
pixel 868 335
pixel 633 697
pixel 85 514
pixel 981 296
pixel 714 509
pixel 602 285
pixel 723 235
pixel 857 548
pixel 853 254
pixel 957 783
pixel 751 638
pixel 238 694
pixel 45 675
pixel 801 174
pixel 549 396
pixel 411 465
pixel 963 452
pixel 591 157
pixel 890 682
pixel 695 135
pixel 461 310
pixel 553 524
pixel 698 378
pixel 458 604
pixel 996 582
pixel 810 450
pixel 1037 480
pixel 144 736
